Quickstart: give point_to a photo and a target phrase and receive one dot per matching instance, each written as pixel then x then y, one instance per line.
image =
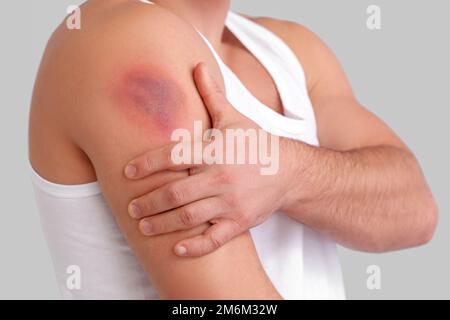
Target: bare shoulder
pixel 119 32
pixel 122 17
pixel 294 32
pixel 91 76
pixel 299 37
pixel 111 91
pixel 313 53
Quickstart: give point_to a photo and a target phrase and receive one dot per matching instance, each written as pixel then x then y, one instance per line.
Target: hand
pixel 231 197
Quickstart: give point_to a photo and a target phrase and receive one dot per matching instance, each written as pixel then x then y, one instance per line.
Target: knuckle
pixel 148 206
pixel 175 196
pixel 215 241
pixel 244 220
pixel 187 217
pixel 217 118
pixel 194 170
pixel 223 177
pixel 233 201
pixel 149 163
pixel 208 98
pixel 213 94
pixel 167 155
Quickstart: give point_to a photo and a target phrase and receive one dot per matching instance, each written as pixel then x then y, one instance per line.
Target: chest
pixel 253 75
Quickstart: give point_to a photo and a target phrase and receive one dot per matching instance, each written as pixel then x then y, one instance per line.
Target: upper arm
pixel 342 122
pixel 121 92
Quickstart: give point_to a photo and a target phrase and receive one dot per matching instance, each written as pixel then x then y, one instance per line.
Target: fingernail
pixel 134 210
pixel 130 171
pixel 181 250
pixel 146 228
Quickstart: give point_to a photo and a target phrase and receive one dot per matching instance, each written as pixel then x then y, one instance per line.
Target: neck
pixel 208 16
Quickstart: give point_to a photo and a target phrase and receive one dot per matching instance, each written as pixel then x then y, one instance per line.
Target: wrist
pixel 302 162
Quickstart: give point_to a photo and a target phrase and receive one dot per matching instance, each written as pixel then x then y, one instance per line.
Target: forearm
pixel 371 199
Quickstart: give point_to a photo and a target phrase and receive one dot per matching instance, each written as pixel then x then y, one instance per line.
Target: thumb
pixel 212 95
pixel 212 239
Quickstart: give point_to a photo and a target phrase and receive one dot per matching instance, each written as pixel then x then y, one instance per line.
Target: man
pixel 99 103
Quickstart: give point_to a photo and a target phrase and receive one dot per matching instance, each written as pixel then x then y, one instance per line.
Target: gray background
pixel 400 72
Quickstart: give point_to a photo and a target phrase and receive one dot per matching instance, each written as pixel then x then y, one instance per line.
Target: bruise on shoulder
pixel 150 98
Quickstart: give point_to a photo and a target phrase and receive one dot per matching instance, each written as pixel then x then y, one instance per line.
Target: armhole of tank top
pixel 285 52
pixel 283 49
pixel 62 190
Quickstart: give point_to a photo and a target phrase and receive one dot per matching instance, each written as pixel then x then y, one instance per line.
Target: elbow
pixel 427 221
pixel 420 231
pixel 422 225
pixel 425 216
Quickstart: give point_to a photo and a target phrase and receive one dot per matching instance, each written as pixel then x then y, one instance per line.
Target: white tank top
pixel 82 234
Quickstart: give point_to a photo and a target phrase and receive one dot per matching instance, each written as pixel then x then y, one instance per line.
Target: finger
pixel 184 218
pixel 212 95
pixel 213 238
pixel 173 195
pixel 154 161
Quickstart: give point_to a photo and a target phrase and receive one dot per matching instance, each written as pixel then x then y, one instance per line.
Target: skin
pixel 81 138
pixel 219 189
pixel 358 197
pixel 151 99
pixel 363 186
pixel 80 132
